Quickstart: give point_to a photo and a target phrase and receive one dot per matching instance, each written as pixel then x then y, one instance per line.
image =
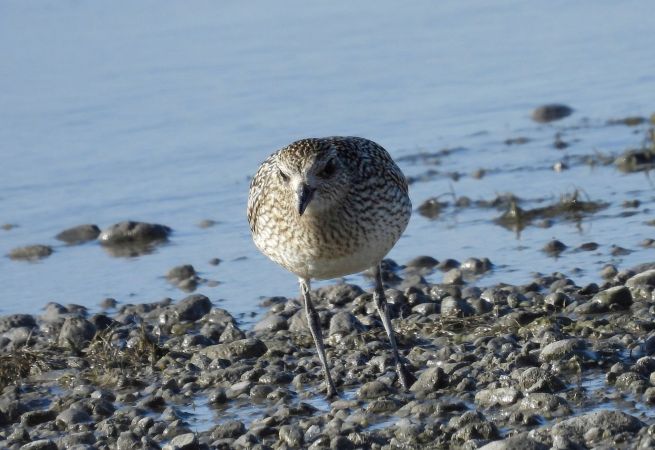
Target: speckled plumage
pixel 328 207
pixel 368 211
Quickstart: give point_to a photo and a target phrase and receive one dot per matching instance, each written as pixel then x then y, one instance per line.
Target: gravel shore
pixel 546 364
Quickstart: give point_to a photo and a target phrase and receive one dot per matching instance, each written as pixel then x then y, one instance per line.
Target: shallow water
pixel 159 111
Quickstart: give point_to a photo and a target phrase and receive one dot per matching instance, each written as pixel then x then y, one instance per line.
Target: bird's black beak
pixel 305 195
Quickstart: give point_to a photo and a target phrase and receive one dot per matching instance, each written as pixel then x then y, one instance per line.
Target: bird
pixel 324 208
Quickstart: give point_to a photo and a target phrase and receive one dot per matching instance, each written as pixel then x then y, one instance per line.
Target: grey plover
pixel 328 207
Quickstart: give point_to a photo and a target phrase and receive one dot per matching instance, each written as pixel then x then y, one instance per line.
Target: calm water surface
pixel 159 111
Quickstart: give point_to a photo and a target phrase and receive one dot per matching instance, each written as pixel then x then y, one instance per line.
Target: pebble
pixel 79 234
pixel 130 231
pixel 193 307
pixel 30 252
pixel 551 112
pixel 76 333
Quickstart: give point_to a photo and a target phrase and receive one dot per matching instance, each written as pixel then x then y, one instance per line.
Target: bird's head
pixel 314 174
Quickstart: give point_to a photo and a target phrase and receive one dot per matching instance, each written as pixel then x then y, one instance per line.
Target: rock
pixel 127 441
pixel 343 323
pixel 32 418
pixel 228 429
pixel 431 208
pixel 193 307
pixel 422 262
pixel 497 396
pixel 554 247
pixel 79 234
pixel 453 276
pixel 618 297
pixel 426 308
pixel 340 294
pixel 76 333
pixel 611 422
pixel 551 112
pixel 536 379
pixel 544 404
pixel 646 278
pixel 108 303
pixel 292 435
pixel 521 441
pixel 130 232
pixel 30 252
pixel 373 389
pixel 476 266
pixel 180 273
pixel 15 321
pixel 561 349
pixel 231 333
pixel 41 444
pixel 272 322
pixel 72 416
pixel 430 380
pixel 454 307
pixel 186 441
pixel 244 348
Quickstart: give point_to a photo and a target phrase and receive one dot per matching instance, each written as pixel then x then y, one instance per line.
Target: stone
pixel 41 444
pixel 561 349
pixel 272 322
pixel 186 441
pixel 15 321
pixel 130 232
pixel 373 389
pixel 344 323
pixel 551 112
pixel 30 252
pixel 618 297
pixel 646 278
pixel 430 380
pixel 79 234
pixel 72 416
pixel 497 396
pixel 243 348
pixel 76 333
pixel 521 441
pixel 193 307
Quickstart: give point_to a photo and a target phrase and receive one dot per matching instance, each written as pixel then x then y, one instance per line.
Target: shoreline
pixel 533 365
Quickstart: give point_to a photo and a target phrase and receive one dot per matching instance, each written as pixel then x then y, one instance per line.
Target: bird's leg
pixel 381 304
pixel 315 328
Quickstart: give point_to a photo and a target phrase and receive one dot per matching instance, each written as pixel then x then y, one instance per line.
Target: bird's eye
pixel 284 176
pixel 328 169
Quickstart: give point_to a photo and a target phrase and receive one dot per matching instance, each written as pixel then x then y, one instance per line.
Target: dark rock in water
pixel 612 422
pixel 131 232
pixel 616 297
pixel 272 322
pixel 228 429
pixel 561 349
pixel 374 389
pixel 521 441
pixel 75 333
pixel 41 444
pixel 108 303
pixel 30 252
pixel 344 323
pixel 15 321
pixel 476 266
pixel 186 441
pixel 79 234
pixel 554 247
pixel 244 348
pixel 422 262
pixel 193 307
pixel 340 294
pixel 636 160
pixel 32 418
pixel 72 416
pixel 430 380
pixel 551 112
pixel 431 208
pixel 453 276
pixel 630 121
pixel 181 273
pixel 588 246
pixel 646 278
pixel 207 223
